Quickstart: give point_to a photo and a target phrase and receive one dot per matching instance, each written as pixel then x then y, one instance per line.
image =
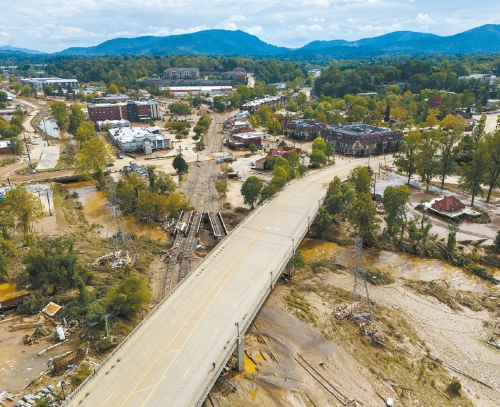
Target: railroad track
pixel 326 383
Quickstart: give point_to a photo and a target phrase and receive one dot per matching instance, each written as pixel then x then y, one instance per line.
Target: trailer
pixel 71 358
pixel 225 159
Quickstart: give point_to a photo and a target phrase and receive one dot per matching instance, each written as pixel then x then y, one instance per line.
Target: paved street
pixel 169 360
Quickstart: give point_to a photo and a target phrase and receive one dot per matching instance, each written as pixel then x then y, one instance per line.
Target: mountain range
pixel 224 42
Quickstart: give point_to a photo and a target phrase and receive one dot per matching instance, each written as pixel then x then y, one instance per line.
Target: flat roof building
pixel 181 73
pixel 131 110
pixel 143 139
pixel 39 83
pixel 196 90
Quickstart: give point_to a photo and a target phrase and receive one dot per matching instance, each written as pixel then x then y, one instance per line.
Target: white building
pixel 195 90
pixel 39 83
pixel 113 123
pixel 140 139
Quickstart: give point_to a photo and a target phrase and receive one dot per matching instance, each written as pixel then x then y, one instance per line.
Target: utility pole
pixel 374 183
pixel 27 150
pixel 48 200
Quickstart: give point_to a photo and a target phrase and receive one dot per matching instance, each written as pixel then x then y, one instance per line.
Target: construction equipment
pixel 106 342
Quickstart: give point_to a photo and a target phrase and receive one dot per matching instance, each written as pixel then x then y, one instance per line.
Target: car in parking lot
pixel 110 165
pixel 252 163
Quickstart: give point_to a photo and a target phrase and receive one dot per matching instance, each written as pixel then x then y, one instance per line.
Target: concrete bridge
pixel 174 357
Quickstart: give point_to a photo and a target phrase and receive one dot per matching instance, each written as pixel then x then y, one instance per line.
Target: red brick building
pixel 132 111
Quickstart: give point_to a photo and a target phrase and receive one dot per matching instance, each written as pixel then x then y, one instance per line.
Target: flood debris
pixel 115 259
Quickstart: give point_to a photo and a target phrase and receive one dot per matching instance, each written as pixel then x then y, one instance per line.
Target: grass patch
pixel 301 306
pixel 376 277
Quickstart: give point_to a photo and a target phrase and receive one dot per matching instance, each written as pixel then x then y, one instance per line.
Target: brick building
pixel 131 110
pixel 237 74
pixel 352 139
pixel 244 140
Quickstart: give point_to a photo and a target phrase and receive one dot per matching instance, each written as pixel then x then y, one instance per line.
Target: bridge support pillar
pixel 240 354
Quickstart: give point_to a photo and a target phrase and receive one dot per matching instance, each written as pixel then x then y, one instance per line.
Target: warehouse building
pixel 131 110
pixel 39 83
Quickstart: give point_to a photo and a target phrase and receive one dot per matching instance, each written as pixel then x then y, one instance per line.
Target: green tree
pixel 293 159
pixel 60 114
pixel 251 190
pixel 448 153
pixel 362 216
pixel 280 177
pixel 317 158
pixel 152 206
pixel 199 130
pixel 426 162
pixel 360 179
pixel 180 108
pixel 176 203
pixel 268 191
pixel 76 118
pixel 55 265
pixel 179 164
pixel 492 146
pixel 329 151
pixel 472 174
pixel 302 169
pixel 496 243
pixel 395 205
pixel 219 103
pixel 85 132
pixel 319 144
pixel 297 261
pixel 113 89
pixel 16 145
pixel 93 158
pixel 81 374
pixel 405 160
pixel 253 148
pixel 323 221
pixel 339 198
pixel 127 296
pixel 23 207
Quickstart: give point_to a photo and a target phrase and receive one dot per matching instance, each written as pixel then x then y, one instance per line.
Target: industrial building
pixel 131 110
pixel 244 140
pixel 111 98
pixel 181 73
pixel 140 139
pixel 352 139
pixel 196 90
pixel 253 105
pixel 113 124
pixel 39 83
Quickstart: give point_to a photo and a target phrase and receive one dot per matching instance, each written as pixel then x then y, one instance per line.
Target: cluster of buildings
pixel 139 139
pixel 131 110
pixel 39 83
pixel 113 124
pixel 352 139
pixel 254 105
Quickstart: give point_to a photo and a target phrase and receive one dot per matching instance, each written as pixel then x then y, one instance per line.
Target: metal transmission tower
pixel 120 235
pixel 360 314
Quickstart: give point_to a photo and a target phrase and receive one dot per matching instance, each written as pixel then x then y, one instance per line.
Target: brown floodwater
pixel 400 265
pixel 97 211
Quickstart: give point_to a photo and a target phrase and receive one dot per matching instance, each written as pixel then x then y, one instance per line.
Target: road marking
pixel 215 332
pixel 145 388
pixel 172 351
pixel 188 370
pixel 235 304
pixel 108 398
pixel 146 353
pixel 175 319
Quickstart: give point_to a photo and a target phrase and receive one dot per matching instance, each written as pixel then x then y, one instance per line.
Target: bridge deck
pixel 168 360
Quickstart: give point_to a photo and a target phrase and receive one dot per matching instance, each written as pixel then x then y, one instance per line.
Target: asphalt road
pixel 168 361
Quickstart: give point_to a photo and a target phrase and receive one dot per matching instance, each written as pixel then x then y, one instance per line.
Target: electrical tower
pixel 362 312
pixel 117 228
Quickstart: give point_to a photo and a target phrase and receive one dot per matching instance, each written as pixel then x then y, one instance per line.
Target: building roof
pixel 448 203
pixel 4 144
pixel 10 291
pixel 283 151
pixel 134 134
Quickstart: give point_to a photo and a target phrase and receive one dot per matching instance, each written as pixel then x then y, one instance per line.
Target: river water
pixel 97 211
pixel 50 127
pixel 400 265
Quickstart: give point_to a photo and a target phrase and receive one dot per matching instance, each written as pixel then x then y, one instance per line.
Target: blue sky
pixel 53 25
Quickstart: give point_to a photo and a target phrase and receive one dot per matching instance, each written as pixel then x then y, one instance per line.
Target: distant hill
pixel 481 39
pixel 22 50
pixel 209 42
pixel 224 42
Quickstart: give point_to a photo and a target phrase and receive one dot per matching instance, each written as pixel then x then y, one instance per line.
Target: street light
pixel 62 387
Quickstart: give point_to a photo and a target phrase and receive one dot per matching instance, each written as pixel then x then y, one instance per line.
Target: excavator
pixel 106 342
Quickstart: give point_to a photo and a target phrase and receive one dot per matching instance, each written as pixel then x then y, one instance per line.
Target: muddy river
pixel 97 211
pixel 400 265
pixel 50 127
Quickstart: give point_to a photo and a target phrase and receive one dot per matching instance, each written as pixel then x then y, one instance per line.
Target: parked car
pixel 110 164
pixel 120 155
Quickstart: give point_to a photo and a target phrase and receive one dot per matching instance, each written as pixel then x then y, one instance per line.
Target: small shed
pixel 52 309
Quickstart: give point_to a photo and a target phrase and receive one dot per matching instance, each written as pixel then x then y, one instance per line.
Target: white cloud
pixel 423 20
pixel 351 20
pixel 236 18
pixel 320 3
pixel 305 28
pixel 254 30
pixel 316 19
pixel 384 28
pixel 334 27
